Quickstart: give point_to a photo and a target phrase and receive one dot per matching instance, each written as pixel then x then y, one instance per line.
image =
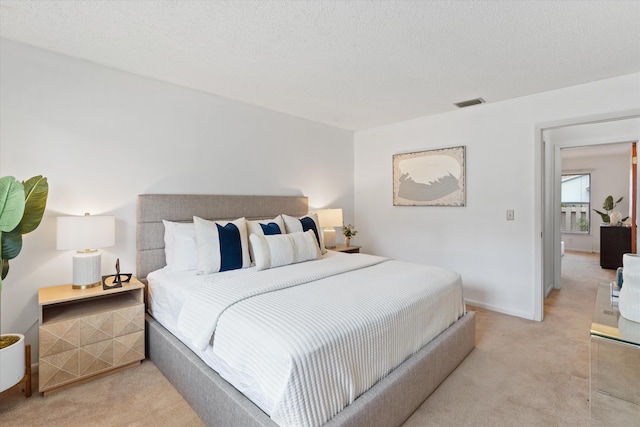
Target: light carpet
pixel 520 373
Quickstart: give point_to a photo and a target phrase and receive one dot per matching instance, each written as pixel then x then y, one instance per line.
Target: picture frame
pixel 430 178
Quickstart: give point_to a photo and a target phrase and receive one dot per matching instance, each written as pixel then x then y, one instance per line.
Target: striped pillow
pixel 222 245
pixel 266 227
pixel 305 223
pixel 283 249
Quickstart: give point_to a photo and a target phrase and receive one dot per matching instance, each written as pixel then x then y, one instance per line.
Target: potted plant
pixel 22 205
pixel 349 231
pixel 608 206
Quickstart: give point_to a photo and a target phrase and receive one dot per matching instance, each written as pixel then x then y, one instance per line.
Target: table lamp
pixel 85 234
pixel 330 218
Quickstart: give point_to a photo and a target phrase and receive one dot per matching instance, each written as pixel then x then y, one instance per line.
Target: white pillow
pixel 180 248
pixel 307 222
pixel 265 227
pixel 283 249
pixel 222 245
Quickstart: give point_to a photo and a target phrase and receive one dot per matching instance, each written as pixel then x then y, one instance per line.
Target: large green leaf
pixel 12 202
pixel 5 269
pixel 36 190
pixel 21 210
pixel 11 243
pixel 605 216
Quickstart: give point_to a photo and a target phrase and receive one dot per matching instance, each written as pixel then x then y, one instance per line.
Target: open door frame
pixel 545 262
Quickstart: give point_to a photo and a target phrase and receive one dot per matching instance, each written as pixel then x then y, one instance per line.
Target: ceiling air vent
pixel 469 103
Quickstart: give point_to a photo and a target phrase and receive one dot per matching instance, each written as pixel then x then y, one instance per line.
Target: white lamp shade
pixel 330 217
pixel 85 232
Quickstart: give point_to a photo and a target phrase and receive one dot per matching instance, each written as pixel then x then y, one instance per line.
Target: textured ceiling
pixel 350 64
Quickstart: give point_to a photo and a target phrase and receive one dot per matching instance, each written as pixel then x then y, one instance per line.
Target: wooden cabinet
pixel 614 242
pixel 89 332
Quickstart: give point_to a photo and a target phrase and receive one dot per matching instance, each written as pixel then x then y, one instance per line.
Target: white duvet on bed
pixel 304 341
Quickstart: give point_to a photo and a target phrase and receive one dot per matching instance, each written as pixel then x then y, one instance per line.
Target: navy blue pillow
pixel 230 247
pixel 270 229
pixel 310 224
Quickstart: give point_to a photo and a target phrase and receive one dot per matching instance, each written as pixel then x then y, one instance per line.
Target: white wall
pixel 495 257
pixel 102 137
pixel 610 175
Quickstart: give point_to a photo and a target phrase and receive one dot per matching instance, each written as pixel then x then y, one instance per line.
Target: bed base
pixel 388 403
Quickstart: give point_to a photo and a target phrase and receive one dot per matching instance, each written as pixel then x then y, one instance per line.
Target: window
pixel 576 203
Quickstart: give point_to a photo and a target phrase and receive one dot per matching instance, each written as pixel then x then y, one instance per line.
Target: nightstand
pixel 346 249
pixel 88 333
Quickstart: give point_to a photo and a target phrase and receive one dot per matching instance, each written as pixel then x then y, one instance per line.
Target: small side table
pixel 346 249
pixel 86 333
pixel 614 377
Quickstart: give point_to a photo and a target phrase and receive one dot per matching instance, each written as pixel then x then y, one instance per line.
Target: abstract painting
pixel 429 178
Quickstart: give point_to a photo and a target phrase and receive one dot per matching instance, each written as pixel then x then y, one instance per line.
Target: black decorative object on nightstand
pixel 117 278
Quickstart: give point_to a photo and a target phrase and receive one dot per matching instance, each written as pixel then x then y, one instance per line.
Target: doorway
pixel 591 175
pixel 605 129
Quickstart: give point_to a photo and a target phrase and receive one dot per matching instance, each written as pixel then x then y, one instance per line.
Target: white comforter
pixel 315 336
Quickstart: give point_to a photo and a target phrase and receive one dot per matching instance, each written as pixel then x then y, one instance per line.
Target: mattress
pixel 304 341
pixel 166 294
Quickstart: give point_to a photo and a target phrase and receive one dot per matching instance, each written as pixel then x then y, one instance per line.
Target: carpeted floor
pixel 521 373
pixel 526 373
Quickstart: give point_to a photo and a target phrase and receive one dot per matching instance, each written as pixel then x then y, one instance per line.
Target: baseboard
pixel 516 313
pixel 548 290
pixel 583 251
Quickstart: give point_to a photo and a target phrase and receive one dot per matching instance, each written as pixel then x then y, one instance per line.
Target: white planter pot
pixel 12 364
pixel 629 302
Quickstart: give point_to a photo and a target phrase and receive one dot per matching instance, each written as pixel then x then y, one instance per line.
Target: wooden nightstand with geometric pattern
pixel 89 333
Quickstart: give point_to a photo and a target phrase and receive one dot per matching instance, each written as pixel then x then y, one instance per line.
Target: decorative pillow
pixel 307 222
pixel 180 249
pixel 266 227
pixel 283 249
pixel 222 245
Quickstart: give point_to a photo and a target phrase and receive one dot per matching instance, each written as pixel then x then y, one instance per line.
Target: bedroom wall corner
pixel 103 136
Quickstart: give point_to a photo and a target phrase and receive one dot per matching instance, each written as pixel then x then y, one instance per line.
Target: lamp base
pixel 90 285
pixel 86 270
pixel 329 237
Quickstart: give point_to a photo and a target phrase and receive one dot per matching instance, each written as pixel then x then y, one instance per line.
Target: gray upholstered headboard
pixel 153 208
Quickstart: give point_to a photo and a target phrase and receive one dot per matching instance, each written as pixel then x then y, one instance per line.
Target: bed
pixel 388 402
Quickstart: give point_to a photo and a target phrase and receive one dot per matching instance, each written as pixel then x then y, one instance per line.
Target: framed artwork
pixel 430 178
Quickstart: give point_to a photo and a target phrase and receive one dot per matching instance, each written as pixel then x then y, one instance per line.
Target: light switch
pixel 510 215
